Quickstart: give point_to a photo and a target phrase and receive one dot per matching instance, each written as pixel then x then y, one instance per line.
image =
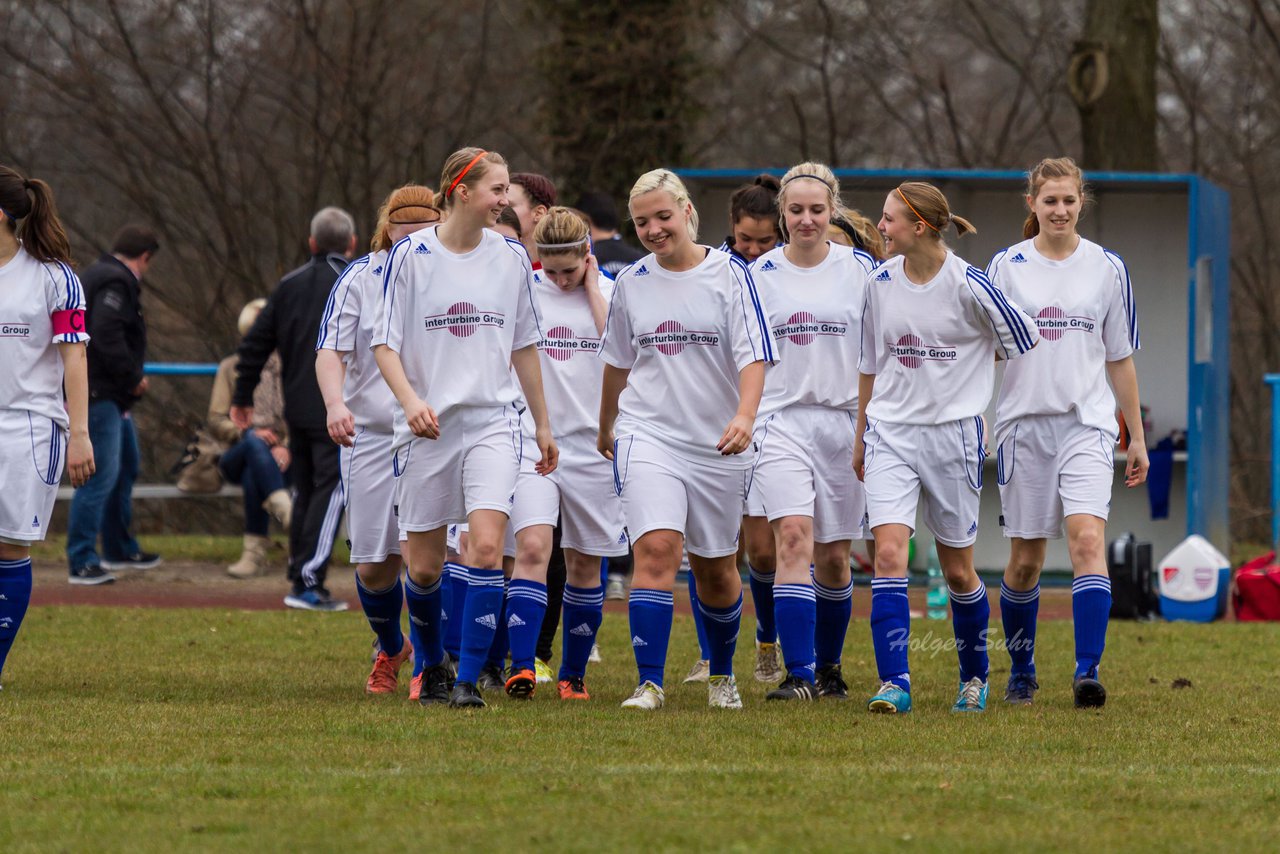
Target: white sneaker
pixel 722 693
pixel 699 672
pixel 615 588
pixel 594 657
pixel 647 696
pixel 768 669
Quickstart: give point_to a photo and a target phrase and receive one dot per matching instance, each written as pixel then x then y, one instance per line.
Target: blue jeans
pixel 250 464
pixel 104 505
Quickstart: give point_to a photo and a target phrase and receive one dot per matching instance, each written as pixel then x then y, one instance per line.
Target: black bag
pixel 1135 593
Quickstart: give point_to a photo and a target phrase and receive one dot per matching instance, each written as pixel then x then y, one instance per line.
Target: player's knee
pixel 891 558
pixel 793 539
pixel 484 554
pixel 1085 547
pixel 1022 572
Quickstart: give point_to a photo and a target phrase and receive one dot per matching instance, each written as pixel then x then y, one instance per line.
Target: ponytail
pixel 29 205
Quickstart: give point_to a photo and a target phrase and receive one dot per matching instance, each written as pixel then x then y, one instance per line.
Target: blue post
pixel 1273 380
pixel 180 369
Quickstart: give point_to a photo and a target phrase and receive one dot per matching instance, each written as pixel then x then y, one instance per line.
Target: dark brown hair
pixel 541 190
pixel 758 199
pixel 134 241
pixel 33 217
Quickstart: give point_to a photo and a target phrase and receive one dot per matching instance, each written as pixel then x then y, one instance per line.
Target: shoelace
pixel 384 674
pixel 971 693
pixel 1023 686
pixel 886 687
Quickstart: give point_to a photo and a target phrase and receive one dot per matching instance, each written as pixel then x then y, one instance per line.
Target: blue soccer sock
pixel 501 640
pixel 458 579
pixel 479 620
pixel 970 618
pixel 650 612
pixel 420 662
pixel 1018 611
pixel 722 635
pixel 795 609
pixel 426 621
pixel 834 607
pixel 382 609
pixel 891 630
pixel 526 606
pixel 699 624
pixel 15 595
pixel 583 613
pixel 762 596
pixel 1090 608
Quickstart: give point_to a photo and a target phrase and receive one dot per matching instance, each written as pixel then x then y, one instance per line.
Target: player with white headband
pixel 803 486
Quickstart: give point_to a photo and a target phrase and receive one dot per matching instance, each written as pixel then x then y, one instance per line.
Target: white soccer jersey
pixel 350 321
pixel 815 314
pixel 1084 308
pixel 41 305
pixel 455 320
pixel 685 337
pixel 569 351
pixel 931 346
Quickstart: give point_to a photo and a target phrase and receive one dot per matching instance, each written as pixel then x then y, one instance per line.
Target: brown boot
pixel 280 505
pixel 254 559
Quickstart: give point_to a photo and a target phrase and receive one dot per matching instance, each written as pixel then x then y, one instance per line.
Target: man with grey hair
pixel 289 324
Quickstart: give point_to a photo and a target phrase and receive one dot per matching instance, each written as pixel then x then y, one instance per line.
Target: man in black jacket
pixel 290 324
pixel 118 347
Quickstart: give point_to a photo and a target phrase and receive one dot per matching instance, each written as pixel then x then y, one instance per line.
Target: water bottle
pixel 936 597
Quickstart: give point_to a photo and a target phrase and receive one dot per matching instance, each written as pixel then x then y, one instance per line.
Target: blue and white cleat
pixel 972 696
pixel 890 700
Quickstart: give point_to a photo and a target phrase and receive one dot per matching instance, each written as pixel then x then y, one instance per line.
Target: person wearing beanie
pixel 257 459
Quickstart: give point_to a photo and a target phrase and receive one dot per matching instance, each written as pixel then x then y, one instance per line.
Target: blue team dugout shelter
pixel 1174 233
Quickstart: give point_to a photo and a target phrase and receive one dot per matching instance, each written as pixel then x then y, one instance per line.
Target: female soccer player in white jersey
pixel 803 482
pixel 457 314
pixel 573 297
pixel 931 328
pixel 1055 421
pixel 359 406
pixel 685 348
pixel 42 342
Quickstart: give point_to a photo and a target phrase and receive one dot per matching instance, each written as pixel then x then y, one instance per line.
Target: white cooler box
pixel 1194 581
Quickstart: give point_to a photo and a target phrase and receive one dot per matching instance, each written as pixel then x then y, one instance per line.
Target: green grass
pixel 209 729
pixel 196 548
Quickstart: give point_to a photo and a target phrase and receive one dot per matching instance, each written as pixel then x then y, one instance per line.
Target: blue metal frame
pixel 180 369
pixel 1273 380
pixel 1208 383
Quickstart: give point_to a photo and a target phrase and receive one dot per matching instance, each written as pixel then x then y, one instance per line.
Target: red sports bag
pixel 1257 593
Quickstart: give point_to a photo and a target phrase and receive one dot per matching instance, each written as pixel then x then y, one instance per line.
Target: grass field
pixel 208 729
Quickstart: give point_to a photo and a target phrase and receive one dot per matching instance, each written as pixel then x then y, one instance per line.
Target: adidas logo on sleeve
pixel 422 250
pixel 1018 259
pixel 768 265
pixel 642 270
pixel 883 277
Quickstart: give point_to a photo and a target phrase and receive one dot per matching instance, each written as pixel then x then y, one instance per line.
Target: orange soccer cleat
pixel 385 675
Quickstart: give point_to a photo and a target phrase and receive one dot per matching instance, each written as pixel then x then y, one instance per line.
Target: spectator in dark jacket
pixel 290 325
pixel 117 350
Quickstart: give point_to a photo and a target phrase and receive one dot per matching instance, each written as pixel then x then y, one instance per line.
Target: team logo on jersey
pixel 462 319
pixel 768 265
pixel 377 271
pixel 1018 259
pixel 670 338
pixel 883 277
pixel 642 270
pixel 15 330
pixel 1053 323
pixel 422 249
pixel 913 352
pixel 561 343
pixel 803 328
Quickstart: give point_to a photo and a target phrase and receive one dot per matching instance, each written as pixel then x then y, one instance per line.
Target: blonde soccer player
pixel 573 296
pixel 1056 425
pixel 359 407
pixel 685 347
pixel 932 327
pixel 42 339
pixel 458 313
pixel 802 486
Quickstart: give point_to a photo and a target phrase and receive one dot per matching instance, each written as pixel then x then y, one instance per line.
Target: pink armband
pixel 69 322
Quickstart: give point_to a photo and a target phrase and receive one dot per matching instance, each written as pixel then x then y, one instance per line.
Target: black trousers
pixel 556 574
pixel 317 506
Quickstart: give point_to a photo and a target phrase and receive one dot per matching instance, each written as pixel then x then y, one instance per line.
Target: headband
pixel 916 212
pixel 560 247
pixel 449 193
pixel 821 181
pixel 402 207
pixel 9 215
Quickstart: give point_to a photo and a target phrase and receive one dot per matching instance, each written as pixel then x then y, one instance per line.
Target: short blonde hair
pixel 249 314
pixel 665 179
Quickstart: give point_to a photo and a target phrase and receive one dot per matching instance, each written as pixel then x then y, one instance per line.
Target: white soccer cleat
pixel 768 668
pixel 722 693
pixel 594 657
pixel 699 672
pixel 648 696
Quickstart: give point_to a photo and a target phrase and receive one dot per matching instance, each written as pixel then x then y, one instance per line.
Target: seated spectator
pixel 257 459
